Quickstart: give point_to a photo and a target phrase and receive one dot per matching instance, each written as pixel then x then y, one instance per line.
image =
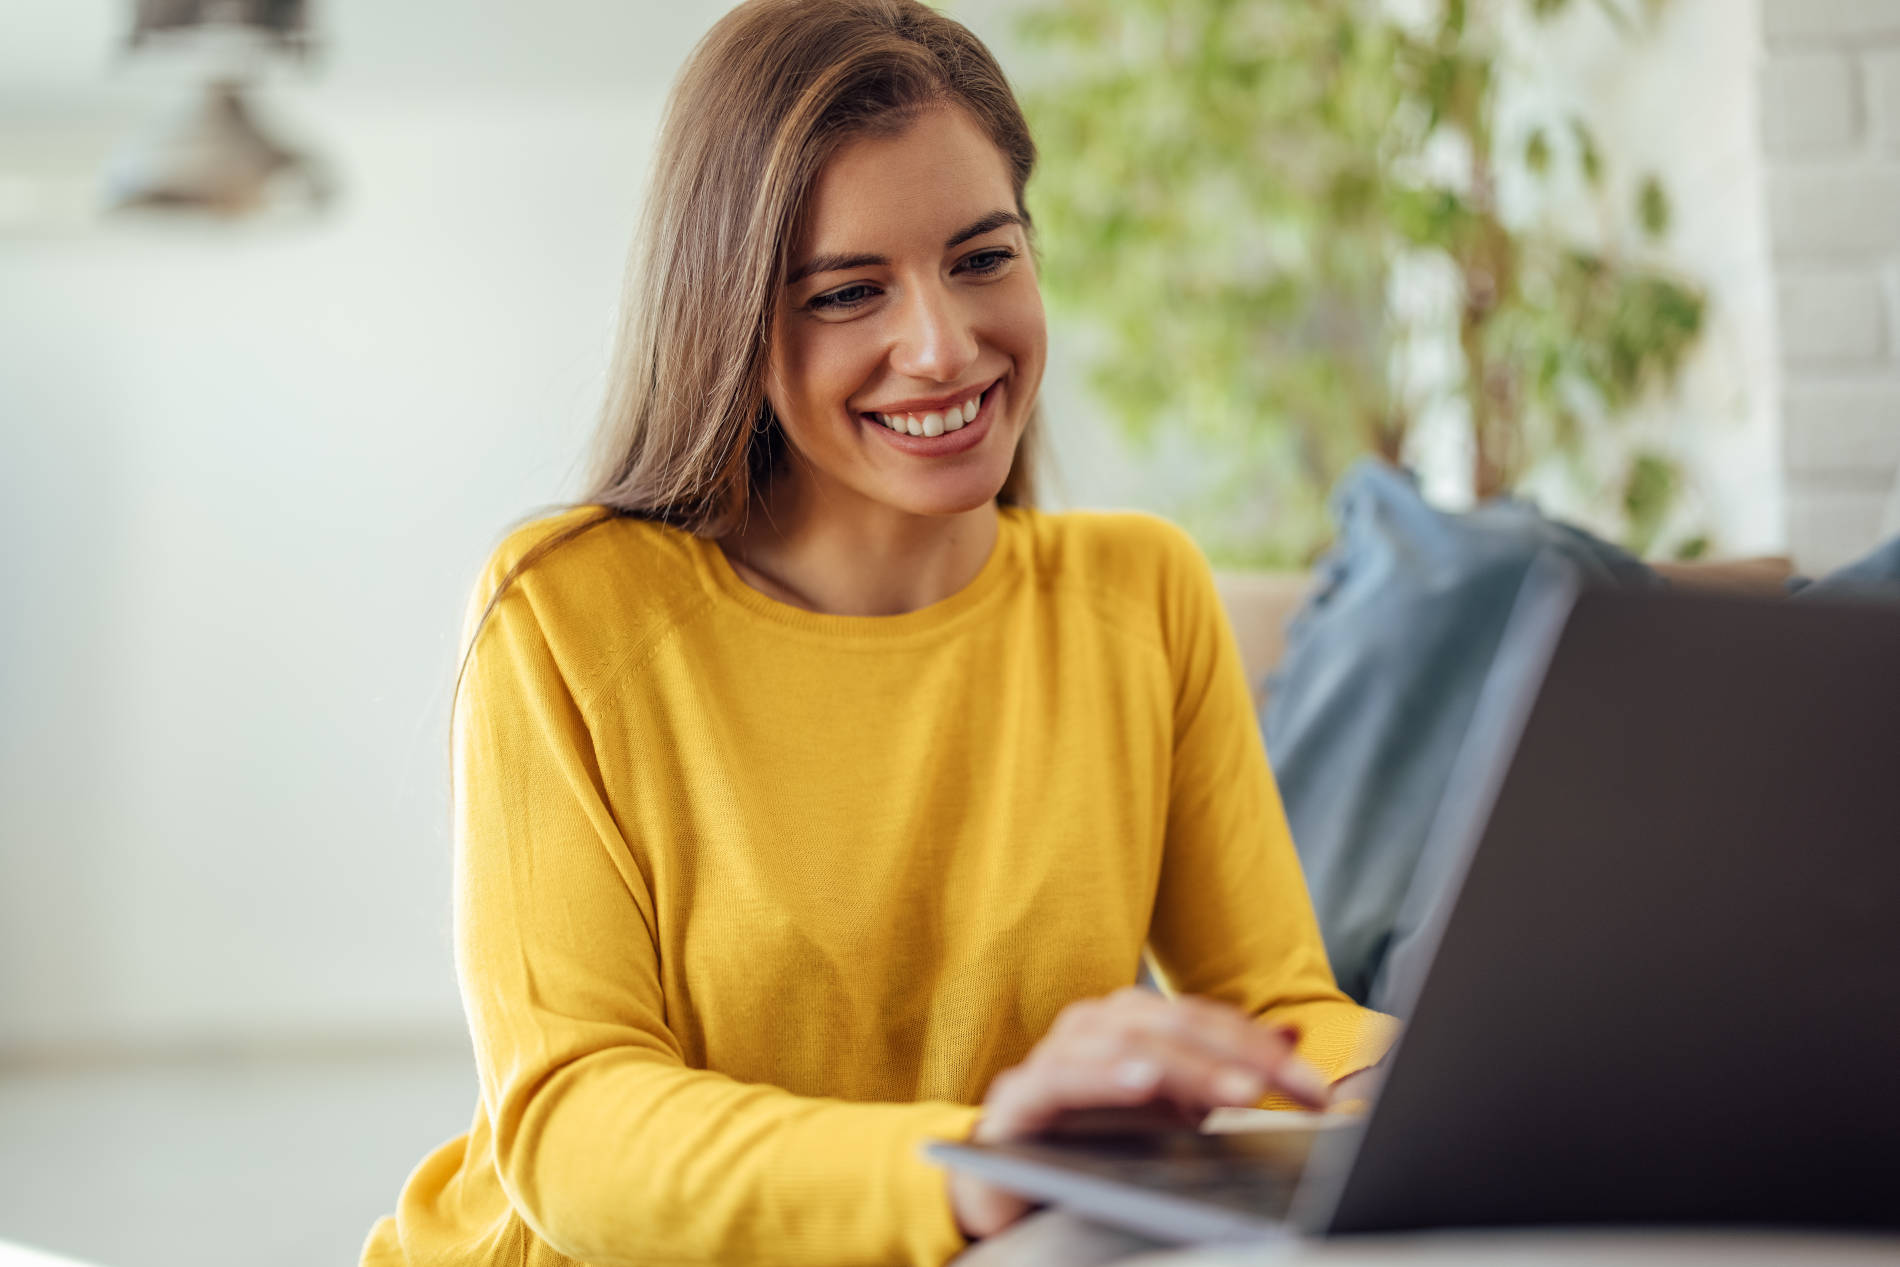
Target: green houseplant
pixel 1233 192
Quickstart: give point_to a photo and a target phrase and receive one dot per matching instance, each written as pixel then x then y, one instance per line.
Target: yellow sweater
pixel 752 901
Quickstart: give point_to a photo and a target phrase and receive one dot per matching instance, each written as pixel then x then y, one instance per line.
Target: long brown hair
pixel 686 435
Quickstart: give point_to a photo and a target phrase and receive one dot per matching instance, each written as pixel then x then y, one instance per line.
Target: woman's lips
pixel 965 437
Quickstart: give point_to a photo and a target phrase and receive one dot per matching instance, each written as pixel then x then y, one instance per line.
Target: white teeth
pixel 933 424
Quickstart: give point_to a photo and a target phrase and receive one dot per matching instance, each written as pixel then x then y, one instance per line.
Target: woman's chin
pixel 943 497
pixel 950 492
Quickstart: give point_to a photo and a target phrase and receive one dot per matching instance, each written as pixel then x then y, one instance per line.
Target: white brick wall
pixel 1831 319
pixel 1830 129
pixel 1829 21
pixel 1810 101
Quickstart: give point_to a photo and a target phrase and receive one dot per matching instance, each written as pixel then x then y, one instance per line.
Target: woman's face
pixel 912 296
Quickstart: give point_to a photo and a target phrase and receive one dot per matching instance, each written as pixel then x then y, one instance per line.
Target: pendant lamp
pixel 215 156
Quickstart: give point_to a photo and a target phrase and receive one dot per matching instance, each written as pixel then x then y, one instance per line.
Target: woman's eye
pixel 839 298
pixel 848 297
pixel 989 261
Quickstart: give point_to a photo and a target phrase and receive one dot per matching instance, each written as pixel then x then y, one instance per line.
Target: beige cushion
pixel 1260 604
pixel 1767 577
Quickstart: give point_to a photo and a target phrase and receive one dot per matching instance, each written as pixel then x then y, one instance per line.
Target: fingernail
pixel 1291 1033
pixel 1301 1081
pixel 1238 1086
pixel 1137 1073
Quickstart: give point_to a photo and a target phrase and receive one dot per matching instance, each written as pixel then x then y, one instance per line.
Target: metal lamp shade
pixel 213 159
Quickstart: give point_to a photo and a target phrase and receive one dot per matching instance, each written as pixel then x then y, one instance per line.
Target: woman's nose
pixel 934 337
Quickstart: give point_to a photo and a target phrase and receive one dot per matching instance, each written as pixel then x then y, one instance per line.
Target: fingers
pixel 1132 1060
pixel 1028 1098
pixel 1219 1032
pixel 1224 1033
pixel 983 1209
pixel 1136 1048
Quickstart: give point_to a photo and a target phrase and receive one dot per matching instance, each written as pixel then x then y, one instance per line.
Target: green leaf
pixel 1695 547
pixel 1652 207
pixel 1589 157
pixel 1649 492
pixel 1537 151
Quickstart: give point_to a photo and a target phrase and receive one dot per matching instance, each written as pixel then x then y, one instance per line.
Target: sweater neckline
pixel 729 588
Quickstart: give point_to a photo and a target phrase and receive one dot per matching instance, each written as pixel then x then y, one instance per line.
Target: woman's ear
pixel 774 385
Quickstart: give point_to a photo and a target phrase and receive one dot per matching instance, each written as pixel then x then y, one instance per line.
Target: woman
pixel 817 797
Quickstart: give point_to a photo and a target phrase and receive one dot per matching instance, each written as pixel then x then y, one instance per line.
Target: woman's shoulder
pixel 583 545
pixel 589 581
pixel 1127 552
pixel 1131 566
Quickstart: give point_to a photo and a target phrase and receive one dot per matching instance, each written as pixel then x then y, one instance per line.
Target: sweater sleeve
pixel 1233 919
pixel 612 1149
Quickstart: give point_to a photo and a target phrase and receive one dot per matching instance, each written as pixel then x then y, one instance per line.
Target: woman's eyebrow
pixel 994 220
pixel 838 263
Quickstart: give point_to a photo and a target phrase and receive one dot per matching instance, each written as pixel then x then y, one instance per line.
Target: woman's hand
pixel 1169 1061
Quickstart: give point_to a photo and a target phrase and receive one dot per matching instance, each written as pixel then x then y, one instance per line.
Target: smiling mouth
pixel 933 422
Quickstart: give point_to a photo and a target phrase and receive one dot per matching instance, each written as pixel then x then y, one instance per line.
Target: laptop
pixel 1668 988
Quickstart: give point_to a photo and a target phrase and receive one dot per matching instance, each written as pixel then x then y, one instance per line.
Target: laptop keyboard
pixel 1254 1174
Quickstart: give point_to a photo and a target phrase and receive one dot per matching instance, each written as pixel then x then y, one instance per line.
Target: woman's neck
pixel 867 559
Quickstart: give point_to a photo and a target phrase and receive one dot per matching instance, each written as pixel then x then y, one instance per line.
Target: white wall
pixel 245 480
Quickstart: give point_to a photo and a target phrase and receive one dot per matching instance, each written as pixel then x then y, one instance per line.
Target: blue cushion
pixel 1372 698
pixel 1875 576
